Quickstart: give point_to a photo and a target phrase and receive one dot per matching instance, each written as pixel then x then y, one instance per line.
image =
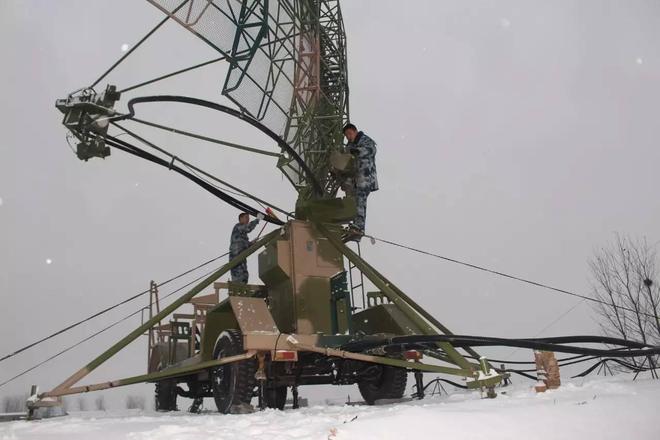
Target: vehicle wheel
pixel 233 384
pixel 389 384
pixel 275 397
pixel 166 395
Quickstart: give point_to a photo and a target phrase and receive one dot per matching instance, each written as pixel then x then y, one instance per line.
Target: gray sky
pixel 515 134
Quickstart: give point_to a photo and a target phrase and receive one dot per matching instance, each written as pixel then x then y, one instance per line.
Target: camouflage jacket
pixel 364 148
pixel 239 237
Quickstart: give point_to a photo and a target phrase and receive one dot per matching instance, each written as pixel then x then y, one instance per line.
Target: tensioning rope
pixel 82 341
pixel 107 309
pixel 506 275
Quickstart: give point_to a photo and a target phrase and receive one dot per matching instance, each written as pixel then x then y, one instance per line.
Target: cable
pixel 528 376
pixel 500 361
pixel 633 348
pixel 193 169
pixel 624 364
pixel 71 347
pixel 439 379
pixel 218 192
pixel 107 309
pixel 556 320
pixel 131 149
pixel 502 274
pixel 232 112
pixel 237 194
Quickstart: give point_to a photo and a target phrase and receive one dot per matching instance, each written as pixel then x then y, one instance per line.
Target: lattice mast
pixel 287 70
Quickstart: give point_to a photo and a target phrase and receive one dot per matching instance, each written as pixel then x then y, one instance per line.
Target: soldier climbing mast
pixel 365 180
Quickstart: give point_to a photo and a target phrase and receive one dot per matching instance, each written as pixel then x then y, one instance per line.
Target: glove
pixel 260 216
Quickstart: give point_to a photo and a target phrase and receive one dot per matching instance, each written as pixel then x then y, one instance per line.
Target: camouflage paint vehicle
pixel 310 321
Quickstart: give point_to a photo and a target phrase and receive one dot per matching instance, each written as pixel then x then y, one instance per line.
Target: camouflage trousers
pixel 361 202
pixel 239 274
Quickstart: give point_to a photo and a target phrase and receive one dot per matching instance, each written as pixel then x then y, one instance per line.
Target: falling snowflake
pixel 505 22
pixel 0 201
pixel 639 61
pixel 124 47
pixel 49 261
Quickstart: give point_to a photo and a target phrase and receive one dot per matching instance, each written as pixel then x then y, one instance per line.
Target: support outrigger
pixel 290 332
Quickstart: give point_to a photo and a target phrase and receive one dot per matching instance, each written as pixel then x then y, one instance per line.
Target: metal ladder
pixel 358 278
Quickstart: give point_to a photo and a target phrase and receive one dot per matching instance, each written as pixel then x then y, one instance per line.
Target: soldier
pixel 240 242
pixel 366 181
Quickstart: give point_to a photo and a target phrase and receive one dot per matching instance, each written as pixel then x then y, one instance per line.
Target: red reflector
pixel 412 355
pixel 285 356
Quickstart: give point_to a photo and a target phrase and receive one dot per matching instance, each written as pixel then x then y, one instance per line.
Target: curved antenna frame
pixel 318 190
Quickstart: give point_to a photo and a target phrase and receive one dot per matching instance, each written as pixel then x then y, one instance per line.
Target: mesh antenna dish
pixel 287 71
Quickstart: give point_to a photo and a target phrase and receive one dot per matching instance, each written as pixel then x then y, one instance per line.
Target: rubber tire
pixel 165 399
pixel 233 384
pixel 391 384
pixel 275 397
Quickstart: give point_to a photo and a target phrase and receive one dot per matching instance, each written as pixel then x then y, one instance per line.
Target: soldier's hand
pixel 260 216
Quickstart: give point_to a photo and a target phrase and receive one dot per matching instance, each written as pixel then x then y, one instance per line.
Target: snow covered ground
pixel 598 408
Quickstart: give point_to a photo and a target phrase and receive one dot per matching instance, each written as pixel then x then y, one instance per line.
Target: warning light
pixel 412 355
pixel 285 356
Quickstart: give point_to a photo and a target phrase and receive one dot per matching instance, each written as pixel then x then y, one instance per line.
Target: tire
pixel 233 384
pixel 389 384
pixel 166 396
pixel 275 397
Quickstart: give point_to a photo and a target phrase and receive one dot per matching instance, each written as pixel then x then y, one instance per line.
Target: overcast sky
pixel 520 135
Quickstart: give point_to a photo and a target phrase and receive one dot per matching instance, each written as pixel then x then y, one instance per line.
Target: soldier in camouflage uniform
pixel 366 180
pixel 240 242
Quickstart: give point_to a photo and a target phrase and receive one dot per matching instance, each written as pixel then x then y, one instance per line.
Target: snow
pixel 124 47
pixel 603 408
pixel 0 201
pixel 49 261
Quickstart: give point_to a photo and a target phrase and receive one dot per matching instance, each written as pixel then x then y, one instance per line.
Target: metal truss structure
pixel 287 71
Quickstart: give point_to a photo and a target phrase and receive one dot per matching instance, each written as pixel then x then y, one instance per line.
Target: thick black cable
pixel 581 360
pixel 625 364
pixel 131 149
pixel 440 379
pixel 586 372
pixel 500 361
pixel 528 376
pixel 106 310
pixel 556 344
pixel 145 38
pixel 316 186
pixel 82 341
pixel 502 274
pixel 237 194
pixel 199 170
